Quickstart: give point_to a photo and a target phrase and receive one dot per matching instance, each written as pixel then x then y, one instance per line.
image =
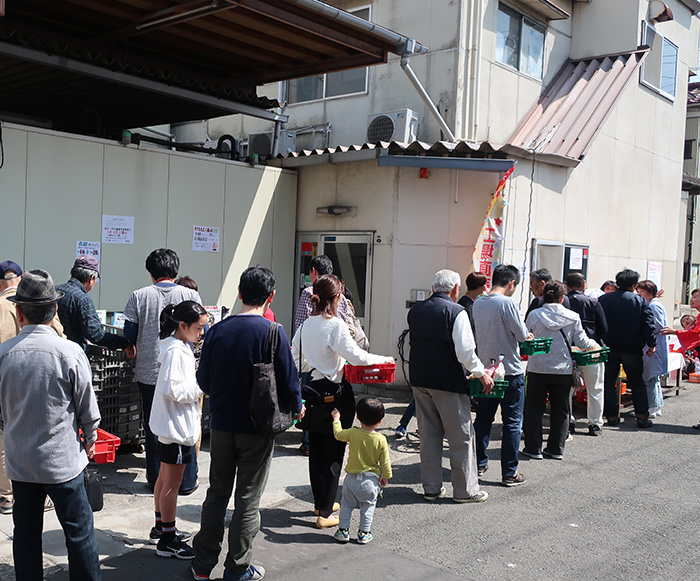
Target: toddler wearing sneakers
pixel 368 468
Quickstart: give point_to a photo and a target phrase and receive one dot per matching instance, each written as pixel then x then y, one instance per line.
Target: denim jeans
pixel 408 414
pixel 189 480
pixel 633 364
pixel 245 459
pixel 512 414
pixel 75 515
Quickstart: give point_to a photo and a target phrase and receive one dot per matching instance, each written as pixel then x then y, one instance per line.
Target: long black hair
pixel 187 312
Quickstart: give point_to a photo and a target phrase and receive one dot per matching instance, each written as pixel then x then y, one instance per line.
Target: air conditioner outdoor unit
pixel 399 125
pixel 261 143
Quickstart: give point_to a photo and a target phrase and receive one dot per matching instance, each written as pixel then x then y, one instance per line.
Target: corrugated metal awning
pixel 562 125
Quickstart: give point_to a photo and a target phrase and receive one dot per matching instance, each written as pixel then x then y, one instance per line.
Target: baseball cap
pixel 9 265
pixel 86 261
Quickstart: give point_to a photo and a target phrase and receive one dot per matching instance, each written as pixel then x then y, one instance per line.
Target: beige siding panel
pixel 135 184
pixel 13 183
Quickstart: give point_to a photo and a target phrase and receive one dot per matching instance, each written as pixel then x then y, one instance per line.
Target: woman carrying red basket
pixel 323 345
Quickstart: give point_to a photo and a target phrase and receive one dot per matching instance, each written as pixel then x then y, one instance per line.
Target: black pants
pixel 325 452
pixel 559 389
pixel 633 364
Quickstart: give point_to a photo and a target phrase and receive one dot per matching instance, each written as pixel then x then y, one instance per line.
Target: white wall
pixel 421 227
pixel 56 187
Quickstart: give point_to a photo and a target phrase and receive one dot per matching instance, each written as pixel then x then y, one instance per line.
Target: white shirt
pixel 326 345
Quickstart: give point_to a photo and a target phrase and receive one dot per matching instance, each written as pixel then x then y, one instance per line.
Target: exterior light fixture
pixel 335 210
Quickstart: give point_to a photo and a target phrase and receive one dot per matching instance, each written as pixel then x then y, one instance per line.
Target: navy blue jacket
pixel 225 373
pixel 592 314
pixel 433 362
pixel 630 321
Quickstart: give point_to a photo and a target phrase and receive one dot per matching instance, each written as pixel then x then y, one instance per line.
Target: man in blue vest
pixel 442 351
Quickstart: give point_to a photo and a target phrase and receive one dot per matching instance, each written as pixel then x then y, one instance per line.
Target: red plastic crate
pixel 106 447
pixel 380 373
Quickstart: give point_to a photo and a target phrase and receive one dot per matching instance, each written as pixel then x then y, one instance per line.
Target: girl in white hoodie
pixel 551 373
pixel 175 417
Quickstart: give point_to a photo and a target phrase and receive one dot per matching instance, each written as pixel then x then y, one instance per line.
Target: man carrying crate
pixel 499 328
pixel 442 346
pixel 595 325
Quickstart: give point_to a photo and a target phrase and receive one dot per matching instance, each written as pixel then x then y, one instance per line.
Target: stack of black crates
pixel 117 393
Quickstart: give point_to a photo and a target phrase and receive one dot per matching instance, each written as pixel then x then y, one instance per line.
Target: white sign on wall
pixel 205 239
pixel 117 229
pixel 86 248
pixel 576 259
pixel 654 273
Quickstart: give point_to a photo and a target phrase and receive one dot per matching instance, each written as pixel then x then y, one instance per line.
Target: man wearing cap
pixel 77 311
pixel 10 276
pixel 46 397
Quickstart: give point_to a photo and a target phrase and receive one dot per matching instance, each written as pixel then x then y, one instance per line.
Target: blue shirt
pixel 231 349
pixel 79 318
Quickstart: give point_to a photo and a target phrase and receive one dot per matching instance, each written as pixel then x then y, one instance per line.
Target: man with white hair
pixel 442 351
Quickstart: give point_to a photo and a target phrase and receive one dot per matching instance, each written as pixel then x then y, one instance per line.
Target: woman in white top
pixel 551 374
pixel 323 345
pixel 175 418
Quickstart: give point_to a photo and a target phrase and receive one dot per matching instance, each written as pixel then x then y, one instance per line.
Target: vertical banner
pixel 488 251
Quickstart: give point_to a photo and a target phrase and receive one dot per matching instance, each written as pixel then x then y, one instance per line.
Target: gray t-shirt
pixel 144 308
pixel 499 327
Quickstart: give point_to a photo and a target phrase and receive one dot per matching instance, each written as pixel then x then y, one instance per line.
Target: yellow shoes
pixel 336 508
pixel 325 523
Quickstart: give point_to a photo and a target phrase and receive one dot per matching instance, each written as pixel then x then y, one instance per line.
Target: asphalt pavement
pixel 621 506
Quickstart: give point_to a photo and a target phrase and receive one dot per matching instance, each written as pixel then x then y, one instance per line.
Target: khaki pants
pixel 443 414
pixel 5 484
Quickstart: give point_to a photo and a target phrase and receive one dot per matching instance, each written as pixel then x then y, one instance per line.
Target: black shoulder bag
pixel 268 417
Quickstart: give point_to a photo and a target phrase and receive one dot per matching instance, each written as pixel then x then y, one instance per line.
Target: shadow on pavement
pixel 136 565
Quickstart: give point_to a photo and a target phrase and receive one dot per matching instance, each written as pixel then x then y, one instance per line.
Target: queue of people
pixel 452 341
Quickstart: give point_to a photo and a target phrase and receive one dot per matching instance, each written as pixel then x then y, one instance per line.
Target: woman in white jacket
pixel 175 418
pixel 551 373
pixel 323 345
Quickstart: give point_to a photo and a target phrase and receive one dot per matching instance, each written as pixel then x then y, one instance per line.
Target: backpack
pixel 268 417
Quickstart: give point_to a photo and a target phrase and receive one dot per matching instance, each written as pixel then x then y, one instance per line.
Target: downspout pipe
pixel 403 43
pixel 405 65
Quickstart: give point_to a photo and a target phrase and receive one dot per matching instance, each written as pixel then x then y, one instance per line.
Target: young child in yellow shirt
pixel 367 470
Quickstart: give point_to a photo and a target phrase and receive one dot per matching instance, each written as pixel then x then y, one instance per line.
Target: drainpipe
pixel 476 28
pixel 426 98
pixel 691 229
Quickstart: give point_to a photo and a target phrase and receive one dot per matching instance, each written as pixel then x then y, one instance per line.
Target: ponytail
pixel 168 324
pixel 187 312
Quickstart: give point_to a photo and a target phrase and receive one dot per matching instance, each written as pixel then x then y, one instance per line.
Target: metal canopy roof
pixel 82 65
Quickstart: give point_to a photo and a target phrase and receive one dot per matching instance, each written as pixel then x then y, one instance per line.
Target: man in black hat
pixel 46 397
pixel 77 311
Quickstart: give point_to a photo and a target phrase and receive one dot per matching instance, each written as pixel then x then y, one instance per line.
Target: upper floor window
pixel 331 84
pixel 520 42
pixel 660 68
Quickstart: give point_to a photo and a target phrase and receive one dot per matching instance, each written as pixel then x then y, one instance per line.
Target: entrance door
pixel 351 255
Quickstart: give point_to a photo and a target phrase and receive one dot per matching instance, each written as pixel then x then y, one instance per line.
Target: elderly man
pixel 142 314
pixel 77 311
pixel 539 278
pixel 10 276
pixel 442 347
pixel 46 396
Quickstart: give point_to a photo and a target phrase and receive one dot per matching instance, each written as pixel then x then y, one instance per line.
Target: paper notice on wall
pixel 205 239
pixel 576 259
pixel 117 229
pixel 214 314
pixel 654 273
pixel 86 248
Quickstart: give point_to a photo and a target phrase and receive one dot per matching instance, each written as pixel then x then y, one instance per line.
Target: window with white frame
pixel 520 42
pixel 329 85
pixel 660 68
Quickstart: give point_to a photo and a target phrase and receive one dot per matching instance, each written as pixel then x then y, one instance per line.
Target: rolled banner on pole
pixel 488 251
